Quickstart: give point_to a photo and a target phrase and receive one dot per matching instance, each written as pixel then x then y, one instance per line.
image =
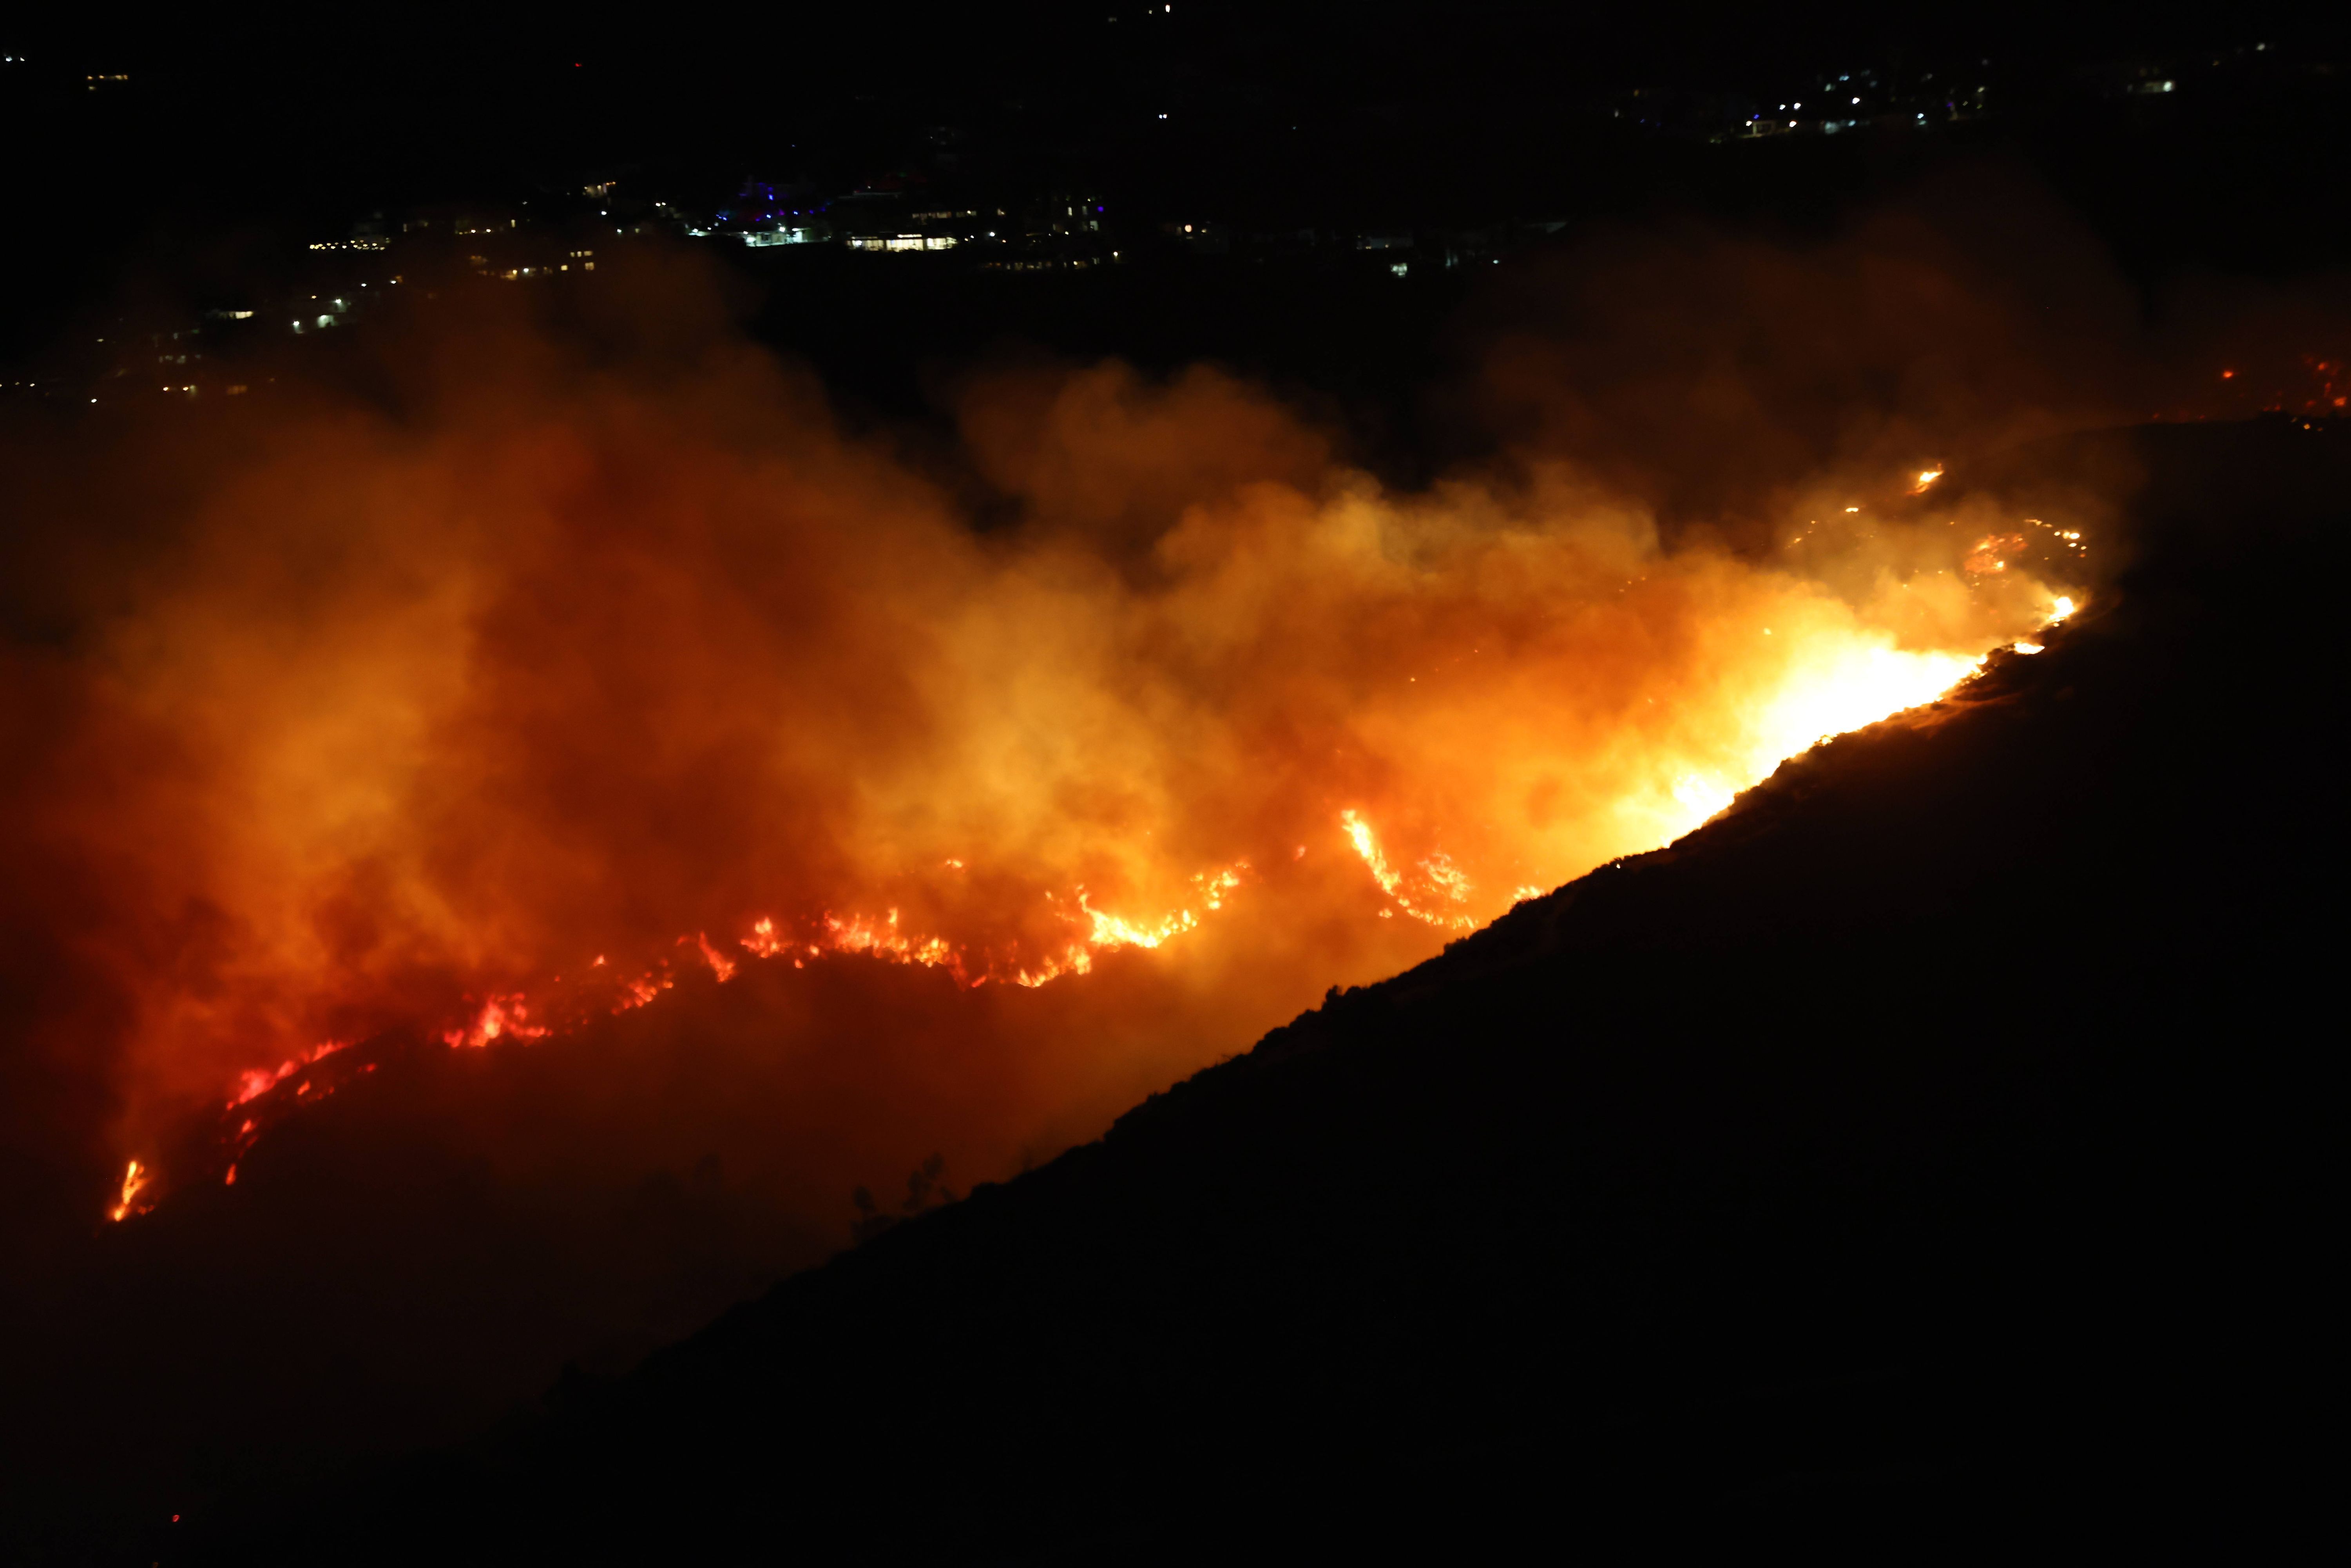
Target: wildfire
pixel 1444 880
pixel 498 1018
pixel 720 965
pixel 256 1082
pixel 1701 799
pixel 643 989
pixel 1845 691
pixel 1111 932
pixel 1824 693
pixel 134 1181
pixel 1992 552
pixel 1825 690
pixel 1214 886
pixel 844 725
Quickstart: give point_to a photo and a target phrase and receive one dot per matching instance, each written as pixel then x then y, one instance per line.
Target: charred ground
pixel 1933 1148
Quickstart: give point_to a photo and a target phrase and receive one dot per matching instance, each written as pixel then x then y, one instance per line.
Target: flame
pixel 1215 885
pixel 1991 553
pixel 1111 932
pixel 1832 693
pixel 1359 831
pixel 1823 688
pixel 1701 799
pixel 781 702
pixel 135 1179
pixel 1448 880
pixel 497 1017
pixel 860 934
pixel 1437 871
pixel 642 989
pixel 255 1082
pixel 720 965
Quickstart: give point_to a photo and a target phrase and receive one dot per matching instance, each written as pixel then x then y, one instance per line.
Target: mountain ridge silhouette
pixel 1930 1153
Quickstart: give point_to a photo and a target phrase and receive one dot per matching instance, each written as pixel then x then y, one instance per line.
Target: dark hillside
pixel 1937 1147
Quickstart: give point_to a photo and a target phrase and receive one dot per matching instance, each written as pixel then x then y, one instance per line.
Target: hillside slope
pixel 1936 1146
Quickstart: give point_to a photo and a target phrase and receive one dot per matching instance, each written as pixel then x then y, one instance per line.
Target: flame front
pixel 619 691
pixel 497 1017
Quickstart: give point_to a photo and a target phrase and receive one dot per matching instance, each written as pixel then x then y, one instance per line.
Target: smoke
pixel 586 658
pixel 397 708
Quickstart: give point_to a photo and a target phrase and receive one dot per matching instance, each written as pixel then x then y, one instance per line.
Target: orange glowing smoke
pixel 410 717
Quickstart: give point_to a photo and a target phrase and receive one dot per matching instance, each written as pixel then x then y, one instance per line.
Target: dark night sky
pixel 264 116
pixel 232 142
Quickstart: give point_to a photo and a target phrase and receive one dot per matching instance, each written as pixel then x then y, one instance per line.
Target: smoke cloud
pixel 541 662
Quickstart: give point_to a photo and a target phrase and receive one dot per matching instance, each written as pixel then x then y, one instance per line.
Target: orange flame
pixel 802 700
pixel 498 1018
pixel 135 1179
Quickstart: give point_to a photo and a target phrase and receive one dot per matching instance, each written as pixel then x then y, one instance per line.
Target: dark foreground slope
pixel 1939 1147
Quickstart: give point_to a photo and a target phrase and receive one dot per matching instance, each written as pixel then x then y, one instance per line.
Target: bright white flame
pixel 1853 690
pixel 133 1180
pixel 1702 798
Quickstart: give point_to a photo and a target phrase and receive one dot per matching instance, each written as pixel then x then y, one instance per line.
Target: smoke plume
pixel 569 682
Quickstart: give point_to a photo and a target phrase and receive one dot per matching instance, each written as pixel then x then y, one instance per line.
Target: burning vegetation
pixel 600 800
pixel 511 712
